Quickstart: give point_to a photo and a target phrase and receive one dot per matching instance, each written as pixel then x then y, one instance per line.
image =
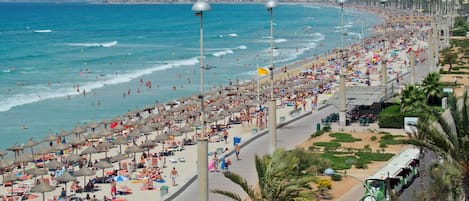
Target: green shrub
pixel 391 117
pixel 383 145
pixel 373 138
pixel 361 165
pixel 344 137
pixel 367 148
pixel 336 177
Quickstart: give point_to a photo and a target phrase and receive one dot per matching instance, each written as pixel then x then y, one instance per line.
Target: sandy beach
pixel 171 128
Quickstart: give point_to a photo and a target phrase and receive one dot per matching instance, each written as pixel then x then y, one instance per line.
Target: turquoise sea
pixel 49 52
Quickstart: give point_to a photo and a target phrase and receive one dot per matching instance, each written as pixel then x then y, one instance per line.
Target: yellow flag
pixel 262 71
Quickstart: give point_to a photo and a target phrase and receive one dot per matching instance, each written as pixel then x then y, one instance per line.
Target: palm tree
pixel 432 88
pixel 413 99
pixel 275 180
pixel 447 134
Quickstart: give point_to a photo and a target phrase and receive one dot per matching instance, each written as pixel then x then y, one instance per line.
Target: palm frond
pixel 229 194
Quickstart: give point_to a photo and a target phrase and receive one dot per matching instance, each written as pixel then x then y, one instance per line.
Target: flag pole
pixel 257 72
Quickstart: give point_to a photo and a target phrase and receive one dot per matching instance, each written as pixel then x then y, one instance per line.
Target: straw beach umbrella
pixel 15 149
pixel 37 171
pixel 118 158
pixel 30 144
pixel 3 154
pixel 4 164
pixel 84 171
pixel 65 177
pixel 104 132
pixel 120 140
pixel 43 151
pixel 134 150
pixel 53 164
pixel 103 165
pixel 63 133
pixel 92 136
pixel 90 150
pixel 105 146
pixel 72 157
pixel 42 187
pixel 24 159
pixel 93 125
pixel 50 137
pixel 10 177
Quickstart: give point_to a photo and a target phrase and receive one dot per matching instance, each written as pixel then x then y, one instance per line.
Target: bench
pixel 295 112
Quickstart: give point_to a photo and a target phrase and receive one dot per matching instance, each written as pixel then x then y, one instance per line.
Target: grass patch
pixel 327 144
pixel 344 137
pixel 339 162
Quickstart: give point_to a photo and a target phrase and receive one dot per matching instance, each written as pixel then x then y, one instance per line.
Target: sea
pixel 68 64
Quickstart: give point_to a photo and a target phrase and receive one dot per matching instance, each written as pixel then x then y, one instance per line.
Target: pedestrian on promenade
pixel 237 149
pixel 174 174
pixel 225 136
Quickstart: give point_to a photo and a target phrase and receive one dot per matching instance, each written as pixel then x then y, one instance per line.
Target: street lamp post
pixel 270 5
pixel 383 59
pixel 202 142
pixel 342 72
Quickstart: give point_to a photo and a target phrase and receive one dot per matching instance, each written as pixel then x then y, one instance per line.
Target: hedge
pixel 391 117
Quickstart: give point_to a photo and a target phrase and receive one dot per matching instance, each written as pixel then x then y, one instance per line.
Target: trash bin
pixel 318 127
pixel 254 131
pixel 282 119
pixel 236 140
pixel 163 190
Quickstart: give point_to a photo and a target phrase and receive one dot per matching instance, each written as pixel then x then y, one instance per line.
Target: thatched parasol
pixel 120 140
pixel 42 187
pixel 30 144
pixel 53 164
pixel 84 171
pixel 65 177
pixel 90 150
pixel 103 165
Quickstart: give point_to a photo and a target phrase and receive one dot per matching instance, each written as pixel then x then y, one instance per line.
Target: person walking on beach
pixel 174 174
pixel 237 148
pixel 113 189
pixel 225 136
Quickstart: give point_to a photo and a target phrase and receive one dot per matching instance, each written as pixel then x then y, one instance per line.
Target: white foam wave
pixel 242 47
pixel 43 31
pixel 223 53
pixel 318 37
pixel 41 92
pixel 233 35
pixel 280 40
pixel 107 44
